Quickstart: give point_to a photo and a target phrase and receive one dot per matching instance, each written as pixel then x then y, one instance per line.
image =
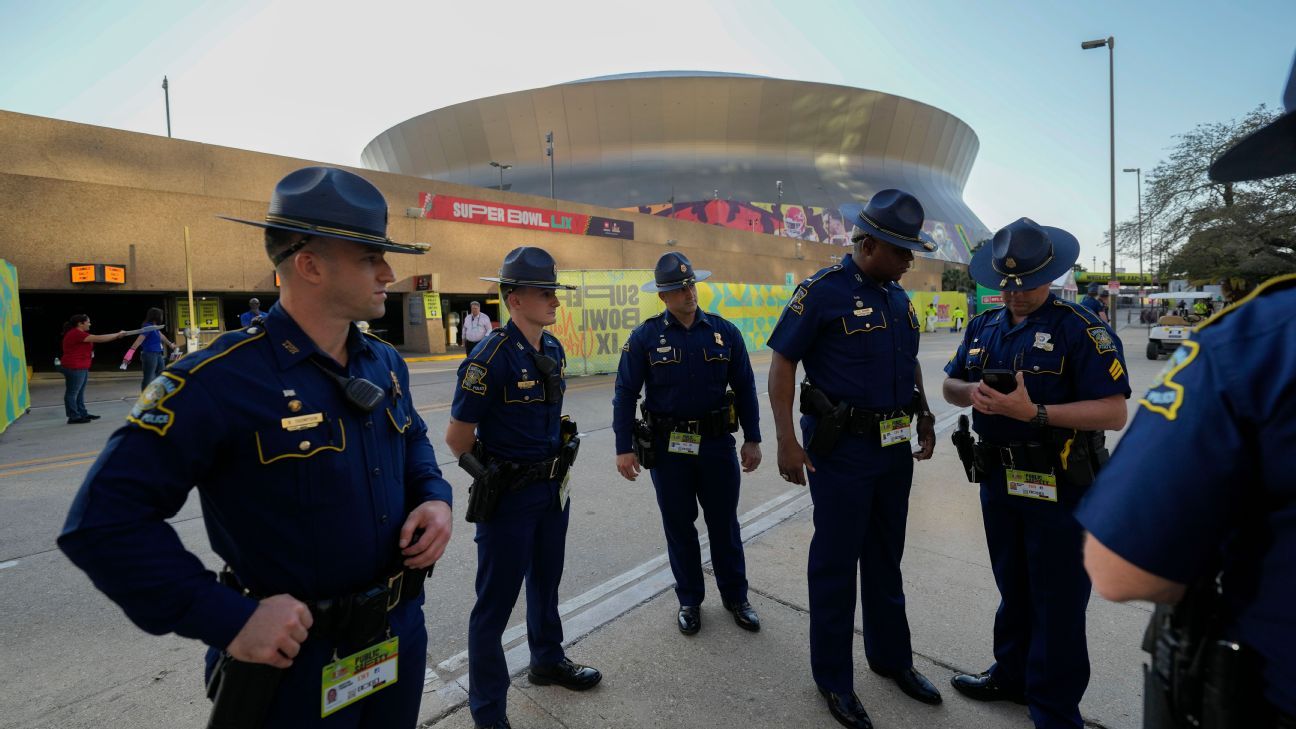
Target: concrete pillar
pixel 423 335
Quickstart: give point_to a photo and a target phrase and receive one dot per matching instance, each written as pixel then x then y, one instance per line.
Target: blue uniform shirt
pixel 1094 304
pixel 311 507
pixel 502 391
pixel 857 338
pixel 1066 353
pixel 246 317
pixel 687 371
pixel 1206 467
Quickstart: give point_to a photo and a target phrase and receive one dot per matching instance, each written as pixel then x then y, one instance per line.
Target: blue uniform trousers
pixel 525 540
pixel 710 479
pixel 1036 550
pixel 861 506
pixel 299 698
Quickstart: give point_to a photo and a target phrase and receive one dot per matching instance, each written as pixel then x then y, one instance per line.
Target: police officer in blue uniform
pixel 318 485
pixel 1040 444
pixel 1202 485
pixel 689 358
pixel 854 329
pixel 508 408
pixel 1093 302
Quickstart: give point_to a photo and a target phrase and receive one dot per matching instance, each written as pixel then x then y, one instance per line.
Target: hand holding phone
pixel 1004 381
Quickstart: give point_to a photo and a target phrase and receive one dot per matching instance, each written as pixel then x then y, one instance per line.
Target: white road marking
pixel 7 565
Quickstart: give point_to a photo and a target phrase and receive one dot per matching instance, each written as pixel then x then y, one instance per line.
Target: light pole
pixel 778 185
pixel 1138 175
pixel 1110 43
pixel 549 153
pixel 501 167
pixel 166 94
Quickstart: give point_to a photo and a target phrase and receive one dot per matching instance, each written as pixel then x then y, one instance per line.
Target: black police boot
pixel 914 684
pixel 847 710
pixel 983 687
pixel 744 615
pixel 689 619
pixel 569 675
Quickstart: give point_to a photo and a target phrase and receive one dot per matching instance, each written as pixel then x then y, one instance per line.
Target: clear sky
pixel 319 79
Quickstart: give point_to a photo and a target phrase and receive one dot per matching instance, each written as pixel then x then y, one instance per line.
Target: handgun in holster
pixel 643 442
pixel 241 693
pixel 964 445
pixel 570 448
pixel 831 419
pixel 487 486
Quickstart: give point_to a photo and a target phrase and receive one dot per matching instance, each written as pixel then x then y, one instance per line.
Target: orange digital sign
pixel 109 273
pixel 83 272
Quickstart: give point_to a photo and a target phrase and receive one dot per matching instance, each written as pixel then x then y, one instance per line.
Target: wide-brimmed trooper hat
pixel 674 271
pixel 331 203
pixel 1267 152
pixel 891 215
pixel 529 266
pixel 1024 255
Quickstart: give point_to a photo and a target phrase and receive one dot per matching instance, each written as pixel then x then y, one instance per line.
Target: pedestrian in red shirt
pixel 78 349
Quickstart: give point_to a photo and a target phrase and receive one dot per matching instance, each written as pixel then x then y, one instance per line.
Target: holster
pixel 1081 453
pixel 570 448
pixel 964 445
pixel 241 693
pixel 487 486
pixel 831 419
pixel 643 444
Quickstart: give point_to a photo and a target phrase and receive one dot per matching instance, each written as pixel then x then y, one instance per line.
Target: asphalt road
pixel 70 658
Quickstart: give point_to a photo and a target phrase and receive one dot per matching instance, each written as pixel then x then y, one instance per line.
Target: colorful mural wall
pixel 803 222
pixel 944 303
pixel 596 318
pixel 13 361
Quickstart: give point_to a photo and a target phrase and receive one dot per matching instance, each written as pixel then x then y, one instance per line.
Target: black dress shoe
pixel 91 416
pixel 982 687
pixel 689 619
pixel 912 683
pixel 847 710
pixel 744 615
pixel 78 421
pixel 501 724
pixel 569 675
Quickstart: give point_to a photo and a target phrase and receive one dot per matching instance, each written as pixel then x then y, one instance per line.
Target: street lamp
pixel 1138 173
pixel 549 152
pixel 778 184
pixel 501 167
pixel 1110 43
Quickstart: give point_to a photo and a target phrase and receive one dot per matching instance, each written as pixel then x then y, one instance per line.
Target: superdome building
pixel 788 158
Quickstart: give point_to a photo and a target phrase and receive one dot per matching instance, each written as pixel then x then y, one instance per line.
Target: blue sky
pixel 318 80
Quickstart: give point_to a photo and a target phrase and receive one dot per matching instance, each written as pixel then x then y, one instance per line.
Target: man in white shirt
pixel 475 327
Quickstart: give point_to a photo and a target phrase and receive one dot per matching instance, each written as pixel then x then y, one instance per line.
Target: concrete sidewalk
pixel 725 677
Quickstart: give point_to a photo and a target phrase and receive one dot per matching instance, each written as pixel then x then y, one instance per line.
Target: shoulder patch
pixel 1102 339
pixel 796 305
pixel 1166 396
pixel 150 412
pixel 626 347
pixel 473 379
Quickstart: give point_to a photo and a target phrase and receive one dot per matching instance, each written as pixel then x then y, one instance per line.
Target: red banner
pixel 481 212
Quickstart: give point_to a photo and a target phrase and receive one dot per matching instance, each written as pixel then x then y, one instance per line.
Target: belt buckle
pixel 395 585
pixel 553 468
pixel 1006 456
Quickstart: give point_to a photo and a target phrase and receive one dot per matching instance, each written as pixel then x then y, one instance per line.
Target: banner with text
pixel 13 358
pixel 482 212
pixel 596 318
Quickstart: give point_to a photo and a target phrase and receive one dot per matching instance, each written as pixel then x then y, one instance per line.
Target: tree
pixel 1213 231
pixel 956 279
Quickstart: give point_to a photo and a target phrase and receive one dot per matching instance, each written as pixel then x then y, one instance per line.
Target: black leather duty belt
pixel 335 617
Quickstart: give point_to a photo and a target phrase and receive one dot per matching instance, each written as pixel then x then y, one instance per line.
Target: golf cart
pixel 1172 329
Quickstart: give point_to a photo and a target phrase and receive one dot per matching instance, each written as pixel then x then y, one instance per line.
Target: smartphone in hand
pixel 1004 381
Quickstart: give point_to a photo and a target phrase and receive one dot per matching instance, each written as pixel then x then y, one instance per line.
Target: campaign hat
pixel 1024 255
pixel 674 271
pixel 529 266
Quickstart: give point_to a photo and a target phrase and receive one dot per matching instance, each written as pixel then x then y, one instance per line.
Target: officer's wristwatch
pixel 1041 417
